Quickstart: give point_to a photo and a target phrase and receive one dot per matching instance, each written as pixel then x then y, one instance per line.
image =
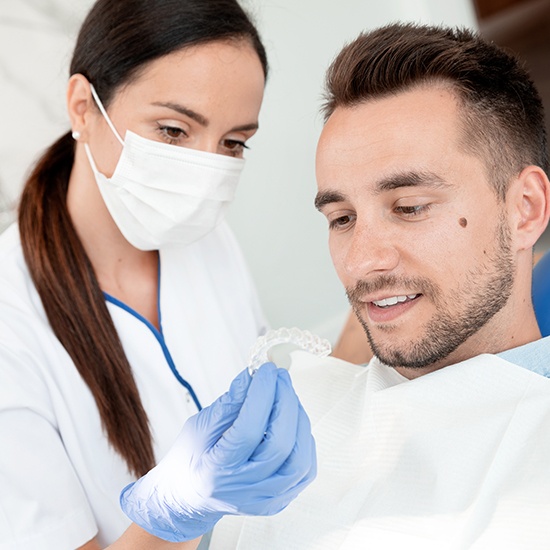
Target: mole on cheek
pixel 463 222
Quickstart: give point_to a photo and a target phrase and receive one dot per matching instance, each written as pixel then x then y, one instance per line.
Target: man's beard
pixel 485 292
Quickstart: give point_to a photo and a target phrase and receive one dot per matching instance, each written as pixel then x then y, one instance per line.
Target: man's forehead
pixel 410 104
pixel 383 133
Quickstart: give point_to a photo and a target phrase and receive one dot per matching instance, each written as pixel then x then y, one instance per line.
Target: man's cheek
pixel 338 255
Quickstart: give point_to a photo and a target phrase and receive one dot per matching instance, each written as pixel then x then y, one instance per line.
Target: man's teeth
pixel 394 300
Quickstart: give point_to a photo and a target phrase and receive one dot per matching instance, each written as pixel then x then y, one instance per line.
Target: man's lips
pixel 393 300
pixel 387 309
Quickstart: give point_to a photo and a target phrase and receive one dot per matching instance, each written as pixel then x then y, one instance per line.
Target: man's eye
pixel 341 222
pixel 412 211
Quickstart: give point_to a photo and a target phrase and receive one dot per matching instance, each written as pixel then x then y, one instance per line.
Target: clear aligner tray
pixel 287 339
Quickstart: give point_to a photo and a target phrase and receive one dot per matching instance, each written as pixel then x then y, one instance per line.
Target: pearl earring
pixel 76 135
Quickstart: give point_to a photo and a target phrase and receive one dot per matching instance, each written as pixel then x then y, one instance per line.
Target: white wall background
pixel 283 237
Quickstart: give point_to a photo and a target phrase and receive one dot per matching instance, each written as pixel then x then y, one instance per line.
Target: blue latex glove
pixel 251 452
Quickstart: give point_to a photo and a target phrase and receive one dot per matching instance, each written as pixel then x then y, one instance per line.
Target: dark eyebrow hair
pixel 410 179
pixel 395 181
pixel 245 127
pixel 203 121
pixel 326 197
pixel 183 111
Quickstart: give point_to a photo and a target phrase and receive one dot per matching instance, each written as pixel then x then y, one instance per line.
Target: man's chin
pixel 406 357
pixel 394 347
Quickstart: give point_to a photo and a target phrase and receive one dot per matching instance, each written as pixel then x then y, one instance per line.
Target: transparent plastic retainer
pixel 276 346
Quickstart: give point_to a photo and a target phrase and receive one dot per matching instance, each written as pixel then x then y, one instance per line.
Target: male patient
pixel 431 170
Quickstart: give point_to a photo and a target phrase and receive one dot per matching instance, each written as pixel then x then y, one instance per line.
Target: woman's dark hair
pixel 502 112
pixel 116 41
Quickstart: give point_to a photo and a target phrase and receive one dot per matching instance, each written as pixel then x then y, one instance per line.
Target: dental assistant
pixel 125 304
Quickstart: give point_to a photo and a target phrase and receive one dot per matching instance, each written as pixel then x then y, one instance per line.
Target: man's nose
pixel 370 251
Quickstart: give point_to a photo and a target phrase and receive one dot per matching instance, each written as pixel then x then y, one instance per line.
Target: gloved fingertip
pixel 267 367
pixel 284 376
pixel 239 385
pixel 266 373
pixel 239 441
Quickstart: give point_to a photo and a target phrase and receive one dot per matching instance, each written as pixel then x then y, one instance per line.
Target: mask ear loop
pixel 105 115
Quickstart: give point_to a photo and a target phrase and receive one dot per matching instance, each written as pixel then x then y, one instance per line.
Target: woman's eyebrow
pixel 245 127
pixel 200 119
pixel 182 110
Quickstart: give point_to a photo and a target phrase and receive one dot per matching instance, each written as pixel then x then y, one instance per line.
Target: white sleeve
pixel 42 503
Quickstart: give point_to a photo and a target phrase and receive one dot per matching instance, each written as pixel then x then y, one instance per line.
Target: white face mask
pixel 162 195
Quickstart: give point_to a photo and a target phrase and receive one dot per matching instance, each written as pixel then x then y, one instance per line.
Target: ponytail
pixel 75 305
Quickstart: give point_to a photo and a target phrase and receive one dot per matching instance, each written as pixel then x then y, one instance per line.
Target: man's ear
pixel 79 104
pixel 530 194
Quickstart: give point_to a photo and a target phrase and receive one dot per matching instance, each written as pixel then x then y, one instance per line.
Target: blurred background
pixel 283 237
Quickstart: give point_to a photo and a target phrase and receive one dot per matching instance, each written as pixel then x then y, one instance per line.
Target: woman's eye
pixel 341 222
pixel 172 134
pixel 234 147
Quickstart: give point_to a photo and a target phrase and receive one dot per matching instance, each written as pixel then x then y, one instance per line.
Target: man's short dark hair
pixel 502 112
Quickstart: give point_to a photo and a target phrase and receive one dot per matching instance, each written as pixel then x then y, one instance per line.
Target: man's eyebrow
pixel 395 181
pixel 410 179
pixel 203 121
pixel 326 197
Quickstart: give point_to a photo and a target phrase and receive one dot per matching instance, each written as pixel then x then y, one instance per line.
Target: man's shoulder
pixel 534 356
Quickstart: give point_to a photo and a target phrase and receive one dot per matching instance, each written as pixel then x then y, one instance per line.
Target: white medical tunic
pixel 458 459
pixel 59 478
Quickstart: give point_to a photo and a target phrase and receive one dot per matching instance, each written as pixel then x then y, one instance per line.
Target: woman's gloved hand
pixel 250 452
